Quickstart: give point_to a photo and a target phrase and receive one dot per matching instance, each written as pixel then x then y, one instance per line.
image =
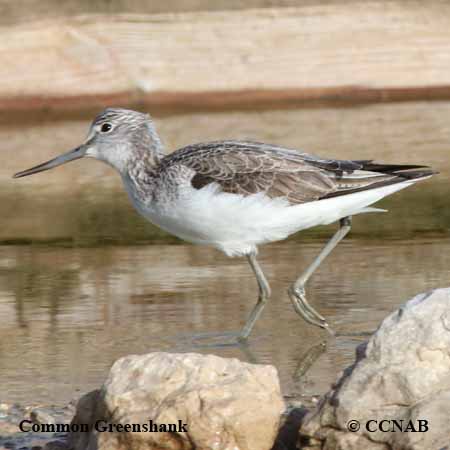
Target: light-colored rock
pixel 226 404
pixel 402 373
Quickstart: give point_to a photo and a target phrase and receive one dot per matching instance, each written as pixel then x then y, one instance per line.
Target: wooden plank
pixel 368 51
pixel 29 10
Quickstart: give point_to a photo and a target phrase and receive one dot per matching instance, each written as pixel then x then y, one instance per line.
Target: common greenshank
pixel 238 195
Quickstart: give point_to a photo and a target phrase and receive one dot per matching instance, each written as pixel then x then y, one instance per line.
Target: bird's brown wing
pixel 248 168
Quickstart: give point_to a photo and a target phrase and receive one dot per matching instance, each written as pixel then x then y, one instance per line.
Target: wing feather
pixel 247 168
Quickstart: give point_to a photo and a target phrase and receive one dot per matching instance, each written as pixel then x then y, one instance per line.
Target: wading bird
pixel 237 195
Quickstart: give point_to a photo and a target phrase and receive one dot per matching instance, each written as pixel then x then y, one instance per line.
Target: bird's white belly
pixel 236 224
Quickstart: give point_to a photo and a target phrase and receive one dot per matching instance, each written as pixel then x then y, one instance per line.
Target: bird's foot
pixel 304 309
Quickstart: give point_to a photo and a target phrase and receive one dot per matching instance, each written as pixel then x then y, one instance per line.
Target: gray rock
pixel 402 373
pixel 226 404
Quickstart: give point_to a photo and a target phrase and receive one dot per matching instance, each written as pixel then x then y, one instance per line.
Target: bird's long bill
pixel 77 153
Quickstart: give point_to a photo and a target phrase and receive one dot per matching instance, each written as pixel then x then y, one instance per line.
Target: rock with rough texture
pixel 226 404
pixel 402 373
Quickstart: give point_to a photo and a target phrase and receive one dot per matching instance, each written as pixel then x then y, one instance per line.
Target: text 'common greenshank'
pixel 237 195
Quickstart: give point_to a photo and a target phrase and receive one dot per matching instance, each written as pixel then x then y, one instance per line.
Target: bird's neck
pixel 141 172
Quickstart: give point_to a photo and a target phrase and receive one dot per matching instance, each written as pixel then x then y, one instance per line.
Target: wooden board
pixel 366 51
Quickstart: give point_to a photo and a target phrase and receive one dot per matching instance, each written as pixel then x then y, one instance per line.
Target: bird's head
pixel 116 136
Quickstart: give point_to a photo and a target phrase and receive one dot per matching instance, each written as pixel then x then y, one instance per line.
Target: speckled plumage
pixel 237 195
pixel 196 191
pixel 247 168
pixel 234 194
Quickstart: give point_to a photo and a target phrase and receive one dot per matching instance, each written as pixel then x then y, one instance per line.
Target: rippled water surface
pixel 84 280
pixel 67 313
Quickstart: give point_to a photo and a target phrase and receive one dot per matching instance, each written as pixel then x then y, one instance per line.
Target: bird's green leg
pixel 237 338
pixel 263 296
pixel 297 290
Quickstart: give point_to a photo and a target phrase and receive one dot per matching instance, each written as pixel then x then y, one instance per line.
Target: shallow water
pixel 67 313
pixel 71 305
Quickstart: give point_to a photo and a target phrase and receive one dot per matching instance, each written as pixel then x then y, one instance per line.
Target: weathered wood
pixel 29 10
pixel 364 51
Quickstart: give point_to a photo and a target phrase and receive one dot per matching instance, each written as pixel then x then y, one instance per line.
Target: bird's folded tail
pixel 415 174
pixel 406 171
pixel 379 175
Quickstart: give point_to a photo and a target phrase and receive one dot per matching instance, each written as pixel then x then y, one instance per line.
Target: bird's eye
pixel 106 127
